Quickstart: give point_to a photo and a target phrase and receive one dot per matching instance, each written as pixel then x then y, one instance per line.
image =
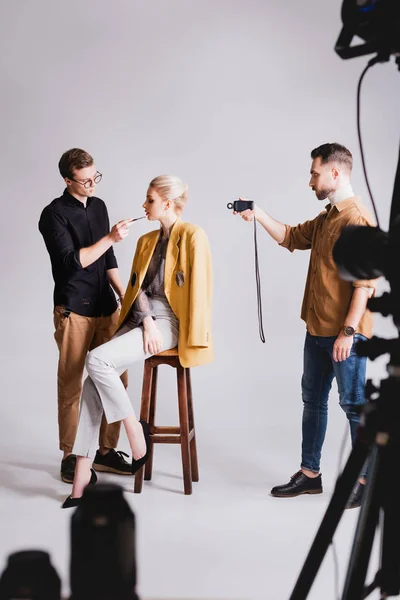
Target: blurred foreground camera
pixel 29 575
pixel 361 253
pixel 368 253
pixel 103 556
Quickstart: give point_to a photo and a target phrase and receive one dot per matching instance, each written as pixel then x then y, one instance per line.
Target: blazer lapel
pixel 146 255
pixel 172 250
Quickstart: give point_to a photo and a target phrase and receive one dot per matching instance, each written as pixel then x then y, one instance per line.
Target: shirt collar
pixel 73 201
pixel 342 204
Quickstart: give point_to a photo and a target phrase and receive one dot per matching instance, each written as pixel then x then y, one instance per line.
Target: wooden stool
pixel 184 434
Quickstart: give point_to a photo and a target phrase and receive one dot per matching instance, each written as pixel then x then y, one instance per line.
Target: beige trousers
pixel 75 336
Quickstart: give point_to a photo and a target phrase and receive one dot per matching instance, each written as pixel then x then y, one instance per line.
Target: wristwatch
pixel 348 330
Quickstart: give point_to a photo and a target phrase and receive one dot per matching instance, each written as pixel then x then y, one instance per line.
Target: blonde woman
pixel 167 304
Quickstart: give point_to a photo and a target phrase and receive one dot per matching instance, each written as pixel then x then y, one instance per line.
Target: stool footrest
pixel 168 438
pixel 165 439
pixel 165 429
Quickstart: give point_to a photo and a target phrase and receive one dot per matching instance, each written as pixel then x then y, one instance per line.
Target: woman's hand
pixel 152 338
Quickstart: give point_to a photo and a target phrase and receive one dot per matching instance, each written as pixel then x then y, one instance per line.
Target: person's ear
pixel 335 172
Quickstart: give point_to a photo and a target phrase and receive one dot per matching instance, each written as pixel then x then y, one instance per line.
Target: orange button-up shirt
pixel 327 297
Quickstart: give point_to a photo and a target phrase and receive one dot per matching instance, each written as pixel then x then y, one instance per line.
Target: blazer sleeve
pixel 200 291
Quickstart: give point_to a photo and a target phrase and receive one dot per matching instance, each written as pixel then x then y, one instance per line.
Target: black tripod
pixel 378 438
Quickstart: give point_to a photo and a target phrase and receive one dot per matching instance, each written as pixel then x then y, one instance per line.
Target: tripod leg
pixel 365 532
pixel 322 540
pixel 390 560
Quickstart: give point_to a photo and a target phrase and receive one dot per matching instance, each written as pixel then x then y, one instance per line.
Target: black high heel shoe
pixel 71 502
pixel 138 464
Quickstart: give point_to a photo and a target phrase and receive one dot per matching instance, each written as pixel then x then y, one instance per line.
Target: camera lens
pixel 103 556
pixel 29 575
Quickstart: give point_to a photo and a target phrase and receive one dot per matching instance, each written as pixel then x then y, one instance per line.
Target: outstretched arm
pixel 292 238
pixel 275 229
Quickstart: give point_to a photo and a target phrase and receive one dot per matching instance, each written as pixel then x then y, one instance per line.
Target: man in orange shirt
pixel 335 313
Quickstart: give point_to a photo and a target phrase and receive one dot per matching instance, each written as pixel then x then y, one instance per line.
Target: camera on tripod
pixel 367 253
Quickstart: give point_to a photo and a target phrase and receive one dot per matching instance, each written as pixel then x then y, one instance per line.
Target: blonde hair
pixel 171 188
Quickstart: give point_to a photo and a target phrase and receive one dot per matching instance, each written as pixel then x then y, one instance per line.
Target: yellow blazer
pixel 187 286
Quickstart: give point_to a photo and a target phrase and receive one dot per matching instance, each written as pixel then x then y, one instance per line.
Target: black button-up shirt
pixel 67 226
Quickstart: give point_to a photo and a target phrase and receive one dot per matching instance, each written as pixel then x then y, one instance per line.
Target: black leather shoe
pixel 356 496
pixel 299 484
pixel 67 470
pixel 137 464
pixel 112 462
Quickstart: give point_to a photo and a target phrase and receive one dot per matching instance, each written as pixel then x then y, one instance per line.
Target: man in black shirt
pixel 76 231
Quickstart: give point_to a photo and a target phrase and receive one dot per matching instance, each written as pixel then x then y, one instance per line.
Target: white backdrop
pixel 231 96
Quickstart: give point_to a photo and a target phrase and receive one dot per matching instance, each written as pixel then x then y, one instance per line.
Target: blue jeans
pixel 319 371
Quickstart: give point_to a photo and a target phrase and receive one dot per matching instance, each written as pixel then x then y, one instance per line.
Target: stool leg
pixel 144 415
pixel 148 470
pixel 193 447
pixel 184 430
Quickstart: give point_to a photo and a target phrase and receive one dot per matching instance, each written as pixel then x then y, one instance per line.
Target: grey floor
pixel 230 539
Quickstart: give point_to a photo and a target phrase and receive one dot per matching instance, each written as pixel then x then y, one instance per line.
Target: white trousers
pixel 103 390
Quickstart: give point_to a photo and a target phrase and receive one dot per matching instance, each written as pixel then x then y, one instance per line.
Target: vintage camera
pixel 241 205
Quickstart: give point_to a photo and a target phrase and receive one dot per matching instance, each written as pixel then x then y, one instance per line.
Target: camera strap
pixel 258 285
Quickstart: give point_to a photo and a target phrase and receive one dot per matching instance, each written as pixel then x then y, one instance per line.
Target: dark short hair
pixel 74 159
pixel 333 153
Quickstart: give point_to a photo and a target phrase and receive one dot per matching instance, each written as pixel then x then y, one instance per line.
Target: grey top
pixel 153 283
